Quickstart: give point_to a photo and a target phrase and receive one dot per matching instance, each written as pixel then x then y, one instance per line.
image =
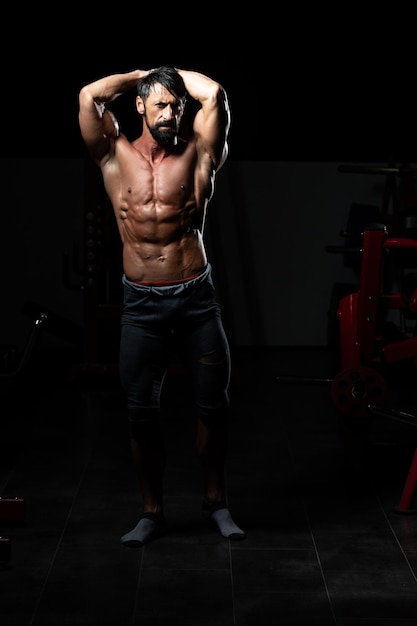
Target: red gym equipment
pixel 377 322
pixel 387 290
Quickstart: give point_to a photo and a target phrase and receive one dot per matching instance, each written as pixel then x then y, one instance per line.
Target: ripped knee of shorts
pixel 215 358
pixel 144 424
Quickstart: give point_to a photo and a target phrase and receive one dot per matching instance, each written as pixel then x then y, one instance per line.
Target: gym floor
pixel 325 544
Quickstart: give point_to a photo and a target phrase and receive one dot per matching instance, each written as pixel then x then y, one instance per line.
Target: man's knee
pixel 215 413
pixel 214 358
pixel 144 423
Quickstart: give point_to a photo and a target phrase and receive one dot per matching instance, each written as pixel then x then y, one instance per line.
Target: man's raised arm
pixel 99 127
pixel 212 122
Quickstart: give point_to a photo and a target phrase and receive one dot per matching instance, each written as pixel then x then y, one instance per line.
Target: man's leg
pixel 211 443
pixel 141 372
pixel 148 454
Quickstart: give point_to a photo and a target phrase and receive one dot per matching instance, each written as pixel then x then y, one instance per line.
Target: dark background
pixel 304 90
pixel 308 86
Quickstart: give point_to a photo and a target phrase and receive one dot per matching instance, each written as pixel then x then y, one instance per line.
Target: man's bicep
pixel 211 129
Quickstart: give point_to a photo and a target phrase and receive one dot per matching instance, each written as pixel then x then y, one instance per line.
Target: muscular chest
pixel 163 184
pixel 168 180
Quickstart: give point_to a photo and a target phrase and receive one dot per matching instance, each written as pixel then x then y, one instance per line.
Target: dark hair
pixel 168 77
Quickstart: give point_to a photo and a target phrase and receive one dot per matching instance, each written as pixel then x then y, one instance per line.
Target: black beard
pixel 166 137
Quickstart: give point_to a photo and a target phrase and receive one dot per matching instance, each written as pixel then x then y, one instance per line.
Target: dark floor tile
pixel 22 582
pixel 367 594
pixel 335 512
pixel 276 571
pixel 405 530
pixel 193 547
pixel 376 551
pixel 186 595
pixel 98 521
pixel 366 621
pixel 286 609
pixel 90 586
pixel 411 556
pixel 278 524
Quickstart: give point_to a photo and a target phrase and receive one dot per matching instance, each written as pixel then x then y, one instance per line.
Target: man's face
pixel 162 113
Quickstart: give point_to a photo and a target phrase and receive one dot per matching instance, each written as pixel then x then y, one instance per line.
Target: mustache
pixel 169 123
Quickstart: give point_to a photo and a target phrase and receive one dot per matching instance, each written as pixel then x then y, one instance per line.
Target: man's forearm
pixel 199 86
pixel 110 87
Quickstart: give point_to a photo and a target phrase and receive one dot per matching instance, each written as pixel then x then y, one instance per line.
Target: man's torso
pixel 159 207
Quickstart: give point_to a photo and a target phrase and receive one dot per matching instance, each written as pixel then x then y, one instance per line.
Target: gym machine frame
pixel 360 391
